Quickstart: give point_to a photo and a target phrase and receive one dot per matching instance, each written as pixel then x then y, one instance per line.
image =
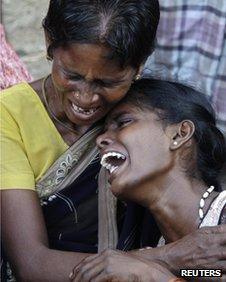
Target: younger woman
pixel 162 149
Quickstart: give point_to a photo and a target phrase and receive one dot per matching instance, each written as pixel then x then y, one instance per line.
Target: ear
pixel 48 42
pixel 182 134
pixel 140 69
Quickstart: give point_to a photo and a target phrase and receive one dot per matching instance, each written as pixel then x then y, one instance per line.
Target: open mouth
pixel 83 111
pixel 112 161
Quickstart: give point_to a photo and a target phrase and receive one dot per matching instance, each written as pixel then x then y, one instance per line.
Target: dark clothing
pixel 72 218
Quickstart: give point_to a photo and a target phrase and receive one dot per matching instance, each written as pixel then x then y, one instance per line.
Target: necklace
pixel 202 201
pixel 50 110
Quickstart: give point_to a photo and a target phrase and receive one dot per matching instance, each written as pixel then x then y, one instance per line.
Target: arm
pixel 205 248
pixel 25 240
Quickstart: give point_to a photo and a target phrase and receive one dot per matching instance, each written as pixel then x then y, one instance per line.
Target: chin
pixel 120 191
pixel 116 191
pixel 83 121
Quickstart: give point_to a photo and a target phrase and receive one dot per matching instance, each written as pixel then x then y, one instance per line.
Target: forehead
pixel 127 108
pixel 85 57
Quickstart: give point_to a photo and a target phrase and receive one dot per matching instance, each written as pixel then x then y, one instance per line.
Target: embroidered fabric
pixel 70 165
pixel 213 215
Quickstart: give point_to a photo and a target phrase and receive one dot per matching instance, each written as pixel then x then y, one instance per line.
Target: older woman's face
pixel 134 149
pixel 87 82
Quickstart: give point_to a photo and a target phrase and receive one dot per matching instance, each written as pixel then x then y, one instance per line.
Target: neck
pixel 174 202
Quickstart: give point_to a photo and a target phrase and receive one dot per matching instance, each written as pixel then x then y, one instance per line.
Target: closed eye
pixel 105 84
pixel 74 77
pixel 124 122
pixel 108 83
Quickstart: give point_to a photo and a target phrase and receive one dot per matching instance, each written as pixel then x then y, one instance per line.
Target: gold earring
pixel 137 77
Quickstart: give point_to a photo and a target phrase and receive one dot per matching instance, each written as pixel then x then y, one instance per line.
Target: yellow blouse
pixel 30 142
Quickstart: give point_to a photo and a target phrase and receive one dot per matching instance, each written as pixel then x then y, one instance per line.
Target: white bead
pixel 202 203
pixel 201 214
pixel 210 189
pixel 205 195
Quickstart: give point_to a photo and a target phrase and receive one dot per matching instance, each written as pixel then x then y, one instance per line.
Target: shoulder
pixel 17 96
pixel 212 217
pixel 20 102
pixel 223 216
pixel 222 219
pixel 19 88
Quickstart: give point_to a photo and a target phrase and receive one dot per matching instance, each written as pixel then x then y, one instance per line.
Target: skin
pixel 101 83
pixel 104 266
pixel 27 248
pixel 83 76
pixel 157 185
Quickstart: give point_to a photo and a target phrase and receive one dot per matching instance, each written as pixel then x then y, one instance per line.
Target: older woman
pixel 49 127
pixel 97 49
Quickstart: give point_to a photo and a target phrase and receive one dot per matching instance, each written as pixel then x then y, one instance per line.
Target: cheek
pixel 60 81
pixel 147 152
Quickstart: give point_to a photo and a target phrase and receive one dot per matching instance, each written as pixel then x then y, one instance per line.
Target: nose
pixel 88 95
pixel 104 140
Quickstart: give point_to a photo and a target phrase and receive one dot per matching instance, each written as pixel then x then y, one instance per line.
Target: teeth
pixel 83 111
pixel 113 169
pixel 108 166
pixel 113 154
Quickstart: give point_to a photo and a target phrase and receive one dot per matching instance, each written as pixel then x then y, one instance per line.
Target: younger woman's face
pixel 134 148
pixel 87 82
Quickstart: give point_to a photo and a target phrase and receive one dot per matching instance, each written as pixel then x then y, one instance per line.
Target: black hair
pixel 173 103
pixel 126 27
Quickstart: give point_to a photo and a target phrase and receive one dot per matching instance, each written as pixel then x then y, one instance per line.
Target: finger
pixel 88 274
pixel 103 277
pixel 81 264
pixel 85 265
pixel 219 229
pixel 212 235
pixel 215 252
pixel 218 266
pixel 87 259
pixel 97 258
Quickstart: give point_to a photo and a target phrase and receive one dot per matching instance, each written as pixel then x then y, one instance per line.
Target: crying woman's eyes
pixel 119 122
pixel 123 122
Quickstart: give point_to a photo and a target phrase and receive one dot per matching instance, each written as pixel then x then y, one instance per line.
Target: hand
pixel 203 249
pixel 119 266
